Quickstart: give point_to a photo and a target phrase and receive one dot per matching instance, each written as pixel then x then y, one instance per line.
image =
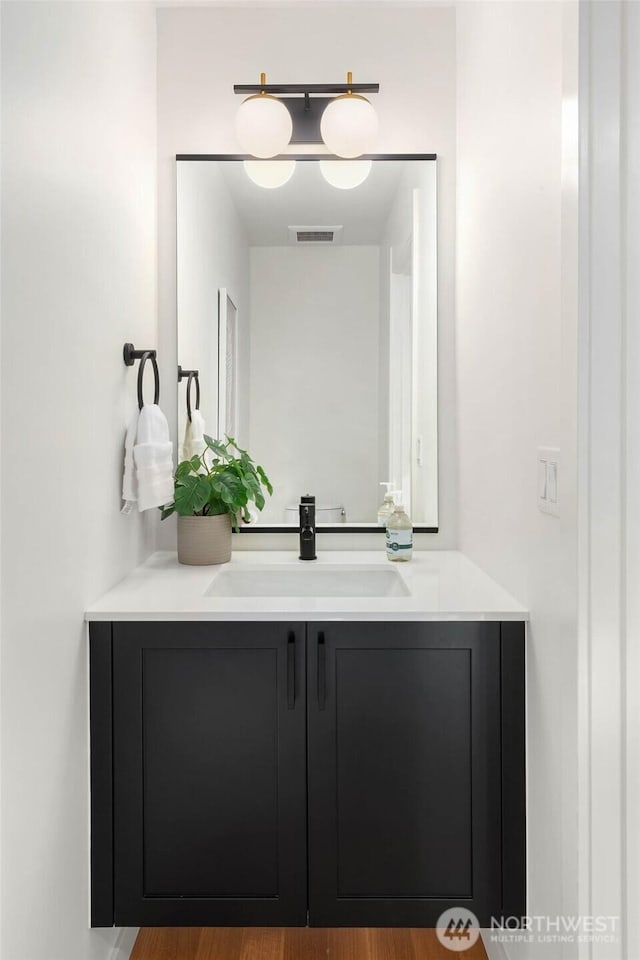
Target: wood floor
pixel 293 943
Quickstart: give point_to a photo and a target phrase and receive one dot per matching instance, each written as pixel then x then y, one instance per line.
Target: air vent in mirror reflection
pixel 315 234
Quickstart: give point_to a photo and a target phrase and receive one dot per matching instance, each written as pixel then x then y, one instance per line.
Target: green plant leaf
pixel 191 496
pixel 231 490
pixel 216 506
pixel 215 445
pixel 166 512
pixel 265 479
pixel 183 469
pixel 251 484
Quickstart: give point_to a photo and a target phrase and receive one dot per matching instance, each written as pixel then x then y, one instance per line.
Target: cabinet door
pixel 209 774
pixel 404 772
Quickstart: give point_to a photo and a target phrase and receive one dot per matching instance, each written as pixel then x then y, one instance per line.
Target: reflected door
pixel 227 365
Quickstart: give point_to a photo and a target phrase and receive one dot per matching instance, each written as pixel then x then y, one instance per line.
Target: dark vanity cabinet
pixel 209 822
pixel 404 771
pixel 336 774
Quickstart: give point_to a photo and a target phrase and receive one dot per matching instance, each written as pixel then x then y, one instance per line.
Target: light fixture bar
pixel 306 115
pixel 306 89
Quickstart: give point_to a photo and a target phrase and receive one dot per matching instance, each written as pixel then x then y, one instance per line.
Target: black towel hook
pixel 191 375
pixel 130 355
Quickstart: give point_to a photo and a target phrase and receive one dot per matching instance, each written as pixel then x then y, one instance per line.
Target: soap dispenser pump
pixel 387 506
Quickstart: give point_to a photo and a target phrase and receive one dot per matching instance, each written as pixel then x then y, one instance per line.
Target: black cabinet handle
pixel 291 671
pixel 322 672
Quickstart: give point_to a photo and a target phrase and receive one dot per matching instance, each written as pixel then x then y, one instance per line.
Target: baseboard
pixel 494 951
pixel 518 950
pixel 123 946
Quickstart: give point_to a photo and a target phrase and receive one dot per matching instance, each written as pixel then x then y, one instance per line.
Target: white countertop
pixel 443 585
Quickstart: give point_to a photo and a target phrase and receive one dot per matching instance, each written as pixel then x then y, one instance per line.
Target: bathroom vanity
pixel 311 756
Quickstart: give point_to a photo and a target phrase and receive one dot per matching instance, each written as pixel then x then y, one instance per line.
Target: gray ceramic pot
pixel 204 540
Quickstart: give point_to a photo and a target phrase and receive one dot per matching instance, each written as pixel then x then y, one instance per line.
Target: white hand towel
pixel 194 443
pixel 198 445
pixel 185 453
pixel 153 456
pixel 129 481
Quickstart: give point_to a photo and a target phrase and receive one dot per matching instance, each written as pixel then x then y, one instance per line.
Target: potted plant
pixel 212 495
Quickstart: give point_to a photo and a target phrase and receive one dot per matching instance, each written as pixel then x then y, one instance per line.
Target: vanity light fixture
pixel 345 174
pixel 349 125
pixel 270 173
pixel 276 114
pixel 263 124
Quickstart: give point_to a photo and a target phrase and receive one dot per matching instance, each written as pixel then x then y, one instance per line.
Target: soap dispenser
pixel 399 534
pixel 387 506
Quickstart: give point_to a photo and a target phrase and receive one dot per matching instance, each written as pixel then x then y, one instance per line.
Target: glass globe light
pixel 263 125
pixel 345 174
pixel 270 173
pixel 349 125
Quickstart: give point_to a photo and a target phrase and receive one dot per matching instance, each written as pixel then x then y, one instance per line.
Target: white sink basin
pixel 281 580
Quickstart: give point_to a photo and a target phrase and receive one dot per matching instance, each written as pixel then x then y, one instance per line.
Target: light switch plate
pixel 549 480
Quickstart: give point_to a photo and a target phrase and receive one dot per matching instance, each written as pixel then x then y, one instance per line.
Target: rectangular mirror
pixel 309 310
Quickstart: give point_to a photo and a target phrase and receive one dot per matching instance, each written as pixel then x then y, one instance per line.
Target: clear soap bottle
pixel 399 535
pixel 387 506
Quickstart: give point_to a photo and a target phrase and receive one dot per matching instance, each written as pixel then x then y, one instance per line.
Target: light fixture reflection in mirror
pixel 270 174
pixel 345 174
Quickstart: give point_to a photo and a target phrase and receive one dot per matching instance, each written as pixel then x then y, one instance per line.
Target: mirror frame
pixel 221 157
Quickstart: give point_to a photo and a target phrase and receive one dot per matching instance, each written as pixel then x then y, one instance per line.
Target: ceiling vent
pixel 315 235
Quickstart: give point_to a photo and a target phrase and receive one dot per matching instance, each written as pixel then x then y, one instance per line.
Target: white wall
pixel 630 41
pixel 78 279
pixel 212 254
pixel 516 294
pixel 318 338
pixel 202 52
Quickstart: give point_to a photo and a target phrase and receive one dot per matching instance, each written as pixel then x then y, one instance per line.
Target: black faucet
pixel 307 527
